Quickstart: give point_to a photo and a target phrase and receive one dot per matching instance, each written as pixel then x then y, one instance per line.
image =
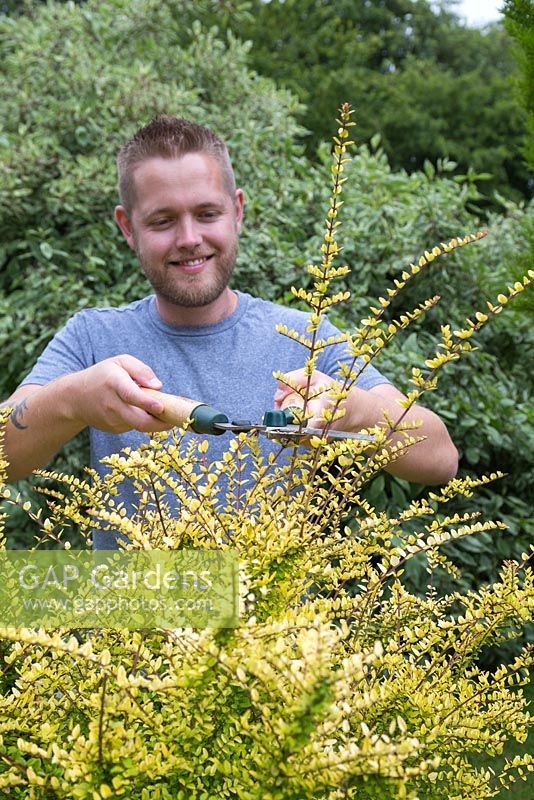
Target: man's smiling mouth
pixel 190 263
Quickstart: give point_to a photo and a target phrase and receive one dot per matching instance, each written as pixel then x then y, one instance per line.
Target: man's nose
pixel 188 234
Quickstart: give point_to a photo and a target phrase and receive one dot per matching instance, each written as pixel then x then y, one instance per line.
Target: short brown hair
pixel 169 137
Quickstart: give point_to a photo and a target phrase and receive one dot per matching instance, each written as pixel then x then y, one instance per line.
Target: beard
pixel 191 291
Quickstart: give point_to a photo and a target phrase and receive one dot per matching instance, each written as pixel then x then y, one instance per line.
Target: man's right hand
pixel 108 396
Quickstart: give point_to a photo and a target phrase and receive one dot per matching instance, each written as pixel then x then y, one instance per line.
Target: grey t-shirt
pixel 228 365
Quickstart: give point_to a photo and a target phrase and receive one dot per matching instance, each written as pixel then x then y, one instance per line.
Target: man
pixel 181 212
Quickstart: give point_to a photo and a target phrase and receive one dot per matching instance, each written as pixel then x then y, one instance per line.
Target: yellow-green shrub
pixel 339 683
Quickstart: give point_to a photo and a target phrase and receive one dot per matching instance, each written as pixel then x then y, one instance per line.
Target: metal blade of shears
pixel 292 432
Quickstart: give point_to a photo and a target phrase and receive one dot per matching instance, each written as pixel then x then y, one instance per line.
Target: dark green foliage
pixel 15 7
pixel 519 20
pixel 430 86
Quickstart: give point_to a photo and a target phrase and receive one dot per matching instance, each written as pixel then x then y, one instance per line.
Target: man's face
pixel 184 228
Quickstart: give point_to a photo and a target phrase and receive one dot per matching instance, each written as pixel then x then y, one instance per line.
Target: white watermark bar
pixel 118 589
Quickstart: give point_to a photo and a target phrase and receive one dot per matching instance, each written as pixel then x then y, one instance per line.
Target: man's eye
pixel 160 223
pixel 209 215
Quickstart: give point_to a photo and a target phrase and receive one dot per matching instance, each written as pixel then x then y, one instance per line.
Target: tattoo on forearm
pixel 17 415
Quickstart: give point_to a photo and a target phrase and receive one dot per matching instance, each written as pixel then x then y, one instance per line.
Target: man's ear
pixel 239 203
pixel 123 221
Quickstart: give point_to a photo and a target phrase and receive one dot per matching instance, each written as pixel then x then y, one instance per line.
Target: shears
pixel 280 424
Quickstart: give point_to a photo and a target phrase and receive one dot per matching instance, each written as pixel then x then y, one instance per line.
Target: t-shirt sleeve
pixel 329 359
pixel 69 351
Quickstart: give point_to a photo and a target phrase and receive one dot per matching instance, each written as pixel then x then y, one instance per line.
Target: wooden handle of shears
pixel 176 409
pixel 292 402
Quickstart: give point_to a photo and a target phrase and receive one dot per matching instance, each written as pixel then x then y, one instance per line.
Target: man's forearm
pixel 432 461
pixel 39 425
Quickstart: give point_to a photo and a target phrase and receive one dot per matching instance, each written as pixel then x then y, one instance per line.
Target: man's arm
pixel 105 396
pixel 432 461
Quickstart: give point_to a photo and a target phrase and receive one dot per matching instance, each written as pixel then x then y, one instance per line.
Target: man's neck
pixel 183 316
